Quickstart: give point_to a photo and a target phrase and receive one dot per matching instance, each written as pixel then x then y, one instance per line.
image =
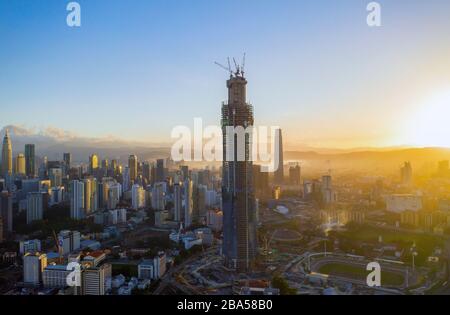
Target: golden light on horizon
pixel 429 124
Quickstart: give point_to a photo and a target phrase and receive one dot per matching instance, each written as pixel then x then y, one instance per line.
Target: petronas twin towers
pixel 7 164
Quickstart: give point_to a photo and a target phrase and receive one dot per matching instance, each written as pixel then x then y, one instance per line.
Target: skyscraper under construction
pixel 238 200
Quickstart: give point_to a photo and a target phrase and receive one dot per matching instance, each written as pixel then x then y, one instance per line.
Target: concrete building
pixel 30 160
pixel 35 207
pixel 159 196
pixel 178 202
pixel 133 166
pixel 30 246
pixel 279 172
pixel 55 276
pixel 188 202
pixel 77 203
pixel 406 174
pixel 137 197
pixel 33 266
pixel 94 279
pixel 69 241
pixel 20 165
pixel 401 202
pixel 238 200
pixel 55 175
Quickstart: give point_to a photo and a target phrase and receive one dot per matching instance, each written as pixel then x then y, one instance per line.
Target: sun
pixel 430 124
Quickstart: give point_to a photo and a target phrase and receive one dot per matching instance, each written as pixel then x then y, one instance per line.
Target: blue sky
pixel 136 68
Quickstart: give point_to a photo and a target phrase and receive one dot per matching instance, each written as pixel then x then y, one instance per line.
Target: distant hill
pixel 53 142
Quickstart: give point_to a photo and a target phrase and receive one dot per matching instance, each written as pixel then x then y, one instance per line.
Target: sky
pixel 136 69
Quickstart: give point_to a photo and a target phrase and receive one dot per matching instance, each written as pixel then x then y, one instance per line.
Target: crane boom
pixel 225 68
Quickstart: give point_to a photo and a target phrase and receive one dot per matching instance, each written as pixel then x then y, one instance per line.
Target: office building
pixel 35 207
pixel 67 159
pixel 30 246
pixel 33 266
pixel 20 168
pixel 406 174
pixel 294 175
pixel 159 196
pixel 188 202
pixel 6 212
pixel 77 200
pixel 279 172
pixel 94 279
pixel 137 197
pixel 55 175
pixel 399 203
pixel 160 170
pixel 178 202
pixel 133 166
pixel 69 241
pixel 93 164
pixel 30 160
pixel 55 276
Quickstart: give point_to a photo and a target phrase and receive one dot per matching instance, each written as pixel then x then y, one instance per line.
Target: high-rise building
pixel 7 160
pixel 126 181
pixel 89 184
pixel 188 202
pixel 105 167
pixel 294 175
pixel 279 172
pixel 67 158
pixel 137 197
pixel 158 196
pixel 238 201
pixel 69 241
pixel 55 176
pixel 160 171
pixel 33 266
pixel 133 166
pixel 178 202
pixel 406 174
pixel 260 182
pixel 107 183
pixel 55 276
pixel 77 200
pixel 329 196
pixel 30 160
pixel 2 237
pixel 114 194
pixel 94 279
pixel 20 164
pixel 35 206
pixel 6 212
pixel 93 164
pixel 30 246
pixel 185 171
pixel 146 172
pixel 200 202
pixel 114 168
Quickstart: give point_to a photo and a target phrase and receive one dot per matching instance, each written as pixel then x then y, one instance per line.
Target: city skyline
pixel 136 73
pixel 132 164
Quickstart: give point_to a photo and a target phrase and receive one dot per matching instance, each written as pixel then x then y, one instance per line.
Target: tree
pixel 278 282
